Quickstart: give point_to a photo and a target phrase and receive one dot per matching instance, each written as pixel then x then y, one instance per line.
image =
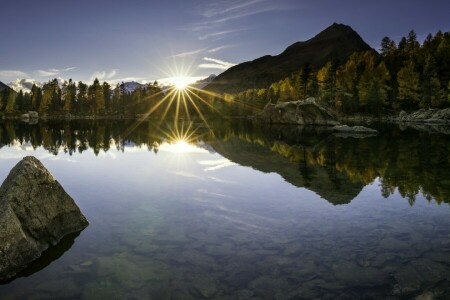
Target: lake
pixel 237 210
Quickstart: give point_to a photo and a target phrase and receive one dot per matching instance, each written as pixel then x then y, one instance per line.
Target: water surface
pixel 240 212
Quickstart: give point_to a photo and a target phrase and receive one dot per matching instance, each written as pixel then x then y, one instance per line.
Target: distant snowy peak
pixel 132 86
pixel 23 85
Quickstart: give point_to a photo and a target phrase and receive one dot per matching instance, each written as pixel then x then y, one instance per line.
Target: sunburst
pixel 184 99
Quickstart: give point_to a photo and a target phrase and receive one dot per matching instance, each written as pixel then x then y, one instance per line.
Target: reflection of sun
pixel 181 147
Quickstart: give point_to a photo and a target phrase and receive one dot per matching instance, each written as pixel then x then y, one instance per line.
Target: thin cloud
pixel 12 74
pixel 214 63
pixel 220 48
pixel 103 75
pixel 219 8
pixel 218 34
pixel 189 53
pixel 222 12
pixel 246 14
pixel 53 72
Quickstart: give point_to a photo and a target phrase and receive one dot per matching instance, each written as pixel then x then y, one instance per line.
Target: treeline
pixel 81 99
pixel 406 76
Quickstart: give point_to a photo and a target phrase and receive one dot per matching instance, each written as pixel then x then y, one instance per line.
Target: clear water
pixel 243 212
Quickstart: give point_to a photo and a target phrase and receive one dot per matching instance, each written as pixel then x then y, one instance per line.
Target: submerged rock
pixel 298 112
pixel 35 213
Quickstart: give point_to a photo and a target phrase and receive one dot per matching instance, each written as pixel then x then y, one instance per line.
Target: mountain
pixel 335 43
pixel 204 82
pixel 132 86
pixel 3 87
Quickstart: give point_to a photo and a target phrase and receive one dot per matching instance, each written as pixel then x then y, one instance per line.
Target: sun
pixel 181 82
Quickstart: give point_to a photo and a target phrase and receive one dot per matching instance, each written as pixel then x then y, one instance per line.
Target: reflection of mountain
pixel 293 163
pixel 409 161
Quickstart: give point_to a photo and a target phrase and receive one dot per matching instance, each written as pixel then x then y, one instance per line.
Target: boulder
pixel 436 116
pixel 299 113
pixel 35 213
pixel 33 114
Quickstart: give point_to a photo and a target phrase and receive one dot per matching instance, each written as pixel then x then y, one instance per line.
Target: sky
pixel 147 40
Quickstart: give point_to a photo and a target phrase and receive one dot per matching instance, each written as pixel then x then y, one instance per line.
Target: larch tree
pixel 408 86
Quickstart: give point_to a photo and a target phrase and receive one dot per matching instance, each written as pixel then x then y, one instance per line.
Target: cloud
pixel 215 64
pixel 53 72
pixel 12 74
pixel 220 8
pixel 220 13
pixel 189 53
pixel 219 34
pixel 216 164
pixel 217 49
pixel 103 75
pixel 23 84
pixel 245 14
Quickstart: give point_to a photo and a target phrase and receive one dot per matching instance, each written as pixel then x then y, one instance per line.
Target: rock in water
pixel 35 212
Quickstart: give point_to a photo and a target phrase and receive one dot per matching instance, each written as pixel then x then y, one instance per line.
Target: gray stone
pixel 33 114
pixel 35 212
pixel 439 116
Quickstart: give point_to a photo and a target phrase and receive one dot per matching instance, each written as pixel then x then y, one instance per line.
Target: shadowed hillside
pixel 3 87
pixel 336 43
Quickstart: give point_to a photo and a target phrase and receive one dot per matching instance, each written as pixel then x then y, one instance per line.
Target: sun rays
pixel 181 102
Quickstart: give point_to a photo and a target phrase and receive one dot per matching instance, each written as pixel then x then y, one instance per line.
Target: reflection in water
pixel 48 256
pixel 206 215
pixel 336 168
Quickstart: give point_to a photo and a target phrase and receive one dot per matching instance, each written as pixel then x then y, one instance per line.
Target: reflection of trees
pixel 410 162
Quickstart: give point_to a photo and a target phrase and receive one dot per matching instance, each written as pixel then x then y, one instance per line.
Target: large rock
pixel 35 213
pixel 33 114
pixel 299 112
pixel 439 116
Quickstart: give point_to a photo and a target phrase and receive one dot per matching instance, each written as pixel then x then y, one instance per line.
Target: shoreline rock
pixel 429 116
pixel 306 112
pixel 35 213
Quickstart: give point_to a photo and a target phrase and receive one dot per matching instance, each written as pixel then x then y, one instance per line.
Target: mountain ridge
pixel 335 43
pixel 3 87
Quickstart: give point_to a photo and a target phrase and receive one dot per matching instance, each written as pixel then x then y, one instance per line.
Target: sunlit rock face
pixel 298 112
pixel 35 213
